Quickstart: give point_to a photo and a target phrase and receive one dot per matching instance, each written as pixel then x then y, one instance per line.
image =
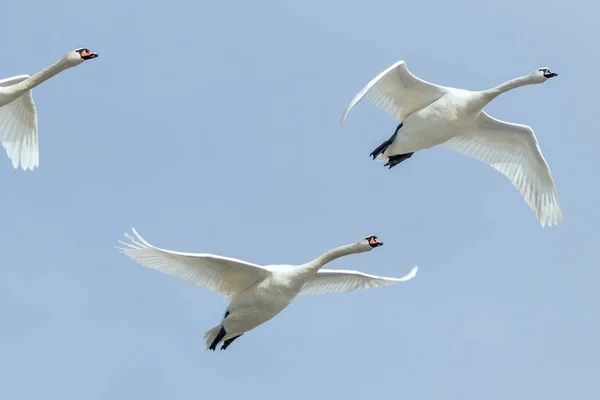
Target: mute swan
pixel 18 115
pixel 257 293
pixel 431 115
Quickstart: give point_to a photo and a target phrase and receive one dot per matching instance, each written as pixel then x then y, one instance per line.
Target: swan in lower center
pixel 431 115
pixel 257 293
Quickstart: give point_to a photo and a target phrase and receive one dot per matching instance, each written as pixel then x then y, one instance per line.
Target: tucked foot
pixel 229 341
pixel 397 159
pixel 383 146
pixel 220 335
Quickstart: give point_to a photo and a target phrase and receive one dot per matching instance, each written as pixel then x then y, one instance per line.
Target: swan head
pixel 370 242
pixel 78 56
pixel 543 74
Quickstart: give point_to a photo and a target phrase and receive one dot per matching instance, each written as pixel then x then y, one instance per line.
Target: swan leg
pixel 220 335
pixel 383 146
pixel 229 341
pixel 397 159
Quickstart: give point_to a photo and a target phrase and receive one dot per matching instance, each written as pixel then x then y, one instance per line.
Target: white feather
pixel 257 293
pixel 19 128
pixel 338 281
pixel 513 150
pixel 432 115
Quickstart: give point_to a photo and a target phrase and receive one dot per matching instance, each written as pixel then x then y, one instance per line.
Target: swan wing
pixel 398 92
pixel 19 128
pixel 338 281
pixel 513 150
pixel 224 275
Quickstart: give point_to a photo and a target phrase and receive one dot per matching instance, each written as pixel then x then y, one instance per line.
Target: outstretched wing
pixel 224 275
pixel 513 150
pixel 337 281
pixel 19 128
pixel 398 92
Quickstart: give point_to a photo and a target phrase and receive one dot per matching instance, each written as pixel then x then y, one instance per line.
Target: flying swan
pixel 257 293
pixel 18 115
pixel 431 115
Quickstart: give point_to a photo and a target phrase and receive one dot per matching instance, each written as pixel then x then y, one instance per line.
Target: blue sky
pixel 214 127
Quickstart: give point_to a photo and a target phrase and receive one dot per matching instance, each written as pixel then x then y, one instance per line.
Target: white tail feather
pixel 211 334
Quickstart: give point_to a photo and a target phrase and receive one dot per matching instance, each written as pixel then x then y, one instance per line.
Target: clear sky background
pixel 214 127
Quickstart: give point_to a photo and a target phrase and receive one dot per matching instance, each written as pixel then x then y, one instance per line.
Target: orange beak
pixel 374 241
pixel 88 54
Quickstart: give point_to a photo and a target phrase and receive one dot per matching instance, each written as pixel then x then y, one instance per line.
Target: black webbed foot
pixel 397 159
pixel 383 146
pixel 229 341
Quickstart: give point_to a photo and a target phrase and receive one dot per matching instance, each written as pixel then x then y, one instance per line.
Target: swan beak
pixel 375 242
pixel 551 75
pixel 87 55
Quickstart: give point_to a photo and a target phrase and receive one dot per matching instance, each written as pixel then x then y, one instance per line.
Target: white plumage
pixel 339 281
pixel 257 293
pixel 18 114
pixel 433 115
pixel 18 127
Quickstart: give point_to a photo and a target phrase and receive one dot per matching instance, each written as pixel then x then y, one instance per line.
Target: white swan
pixel 18 115
pixel 432 115
pixel 257 293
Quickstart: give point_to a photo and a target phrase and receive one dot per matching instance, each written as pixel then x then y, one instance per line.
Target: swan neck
pixel 41 77
pixel 506 86
pixel 331 255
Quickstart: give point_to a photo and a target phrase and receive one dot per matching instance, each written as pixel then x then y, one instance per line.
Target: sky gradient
pixel 214 127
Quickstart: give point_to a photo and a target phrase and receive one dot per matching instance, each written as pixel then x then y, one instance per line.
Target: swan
pixel 257 293
pixel 431 115
pixel 18 115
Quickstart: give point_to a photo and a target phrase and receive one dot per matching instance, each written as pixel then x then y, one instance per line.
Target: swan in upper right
pixel 431 115
pixel 257 293
pixel 18 115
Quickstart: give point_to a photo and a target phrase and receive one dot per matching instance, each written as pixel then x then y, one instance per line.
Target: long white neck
pixel 42 76
pixel 331 255
pixel 491 94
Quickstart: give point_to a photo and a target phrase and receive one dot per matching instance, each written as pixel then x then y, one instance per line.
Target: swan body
pixel 257 293
pixel 18 114
pixel 432 115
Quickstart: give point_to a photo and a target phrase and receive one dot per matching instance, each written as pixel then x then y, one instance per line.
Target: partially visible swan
pixel 18 115
pixel 257 293
pixel 431 115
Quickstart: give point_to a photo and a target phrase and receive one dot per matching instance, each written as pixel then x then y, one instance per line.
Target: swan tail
pixel 381 158
pixel 213 336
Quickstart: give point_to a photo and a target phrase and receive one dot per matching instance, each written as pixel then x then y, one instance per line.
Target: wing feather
pixel 398 92
pixel 338 281
pixel 513 150
pixel 224 275
pixel 19 128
